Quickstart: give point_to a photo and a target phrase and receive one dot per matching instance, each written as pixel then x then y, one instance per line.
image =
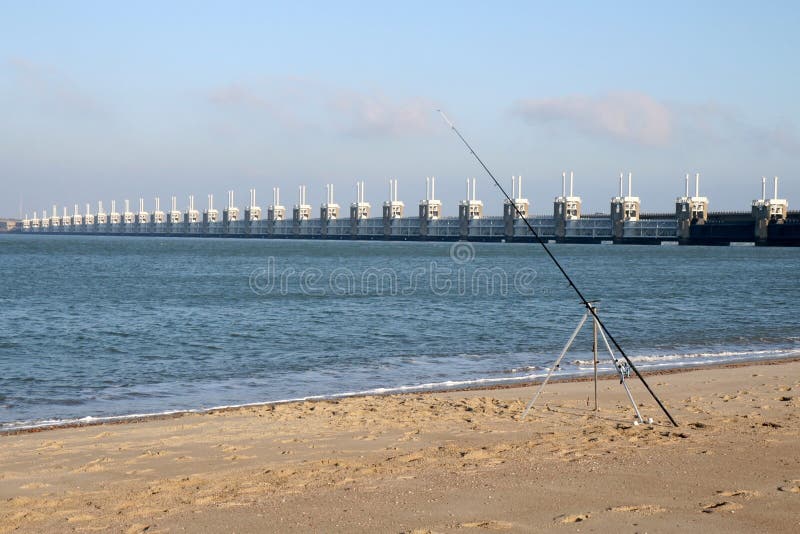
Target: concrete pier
pixel 624 209
pixel 470 209
pixel 430 209
pixel 515 210
pixel 566 208
pixel 359 212
pixel 690 210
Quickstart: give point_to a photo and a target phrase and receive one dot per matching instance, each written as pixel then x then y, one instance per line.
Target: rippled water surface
pixel 104 326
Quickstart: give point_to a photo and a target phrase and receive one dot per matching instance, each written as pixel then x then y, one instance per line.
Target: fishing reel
pixel 623 368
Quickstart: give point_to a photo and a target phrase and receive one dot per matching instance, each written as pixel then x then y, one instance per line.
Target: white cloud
pixel 376 114
pixel 54 90
pixel 240 97
pixel 641 119
pixel 300 103
pixel 634 117
pixel 712 123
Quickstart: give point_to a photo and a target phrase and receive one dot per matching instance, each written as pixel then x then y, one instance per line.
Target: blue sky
pixel 103 100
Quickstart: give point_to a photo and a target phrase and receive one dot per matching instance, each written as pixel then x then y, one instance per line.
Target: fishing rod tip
pixel 446 119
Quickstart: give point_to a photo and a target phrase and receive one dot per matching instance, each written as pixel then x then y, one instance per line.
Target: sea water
pixel 96 327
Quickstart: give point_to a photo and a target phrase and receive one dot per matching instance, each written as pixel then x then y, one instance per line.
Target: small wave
pixel 526 369
pixel 116 333
pixel 243 335
pixel 52 423
pixel 203 345
pixel 662 359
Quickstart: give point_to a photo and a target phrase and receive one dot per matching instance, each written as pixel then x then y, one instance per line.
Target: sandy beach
pixel 435 462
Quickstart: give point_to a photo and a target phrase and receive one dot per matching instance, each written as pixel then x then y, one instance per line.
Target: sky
pixel 121 100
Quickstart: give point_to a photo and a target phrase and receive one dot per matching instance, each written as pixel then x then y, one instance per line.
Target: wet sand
pixel 436 462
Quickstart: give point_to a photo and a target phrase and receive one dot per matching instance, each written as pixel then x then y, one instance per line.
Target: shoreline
pixel 460 462
pixel 177 414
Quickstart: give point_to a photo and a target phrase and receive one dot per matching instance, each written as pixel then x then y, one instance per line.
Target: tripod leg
pixel 594 362
pixel 555 365
pixel 622 377
pixel 633 403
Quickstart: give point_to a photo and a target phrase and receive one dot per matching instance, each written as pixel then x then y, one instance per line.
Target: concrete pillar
pixel 690 210
pixel 469 209
pixel 515 208
pixel 392 208
pixel 768 211
pixel 275 213
pixel 760 212
pixel 354 218
pixel 559 209
pixel 360 209
pixel 252 214
pixel 565 209
pixel 424 217
pixel 617 218
pixel 300 214
pixel 683 215
pixel 387 219
pixel 327 213
pixel 509 217
pixel 463 220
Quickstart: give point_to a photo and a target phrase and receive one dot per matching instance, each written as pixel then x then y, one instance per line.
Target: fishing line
pixel 585 302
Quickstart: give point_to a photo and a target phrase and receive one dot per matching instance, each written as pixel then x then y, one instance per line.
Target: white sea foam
pixel 697 358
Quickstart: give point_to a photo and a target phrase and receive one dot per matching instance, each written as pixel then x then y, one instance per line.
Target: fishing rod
pixel 585 302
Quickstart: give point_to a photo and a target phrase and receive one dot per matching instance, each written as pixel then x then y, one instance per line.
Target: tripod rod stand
pixel 622 368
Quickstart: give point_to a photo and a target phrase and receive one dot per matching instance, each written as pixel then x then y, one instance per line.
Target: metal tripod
pixel 623 370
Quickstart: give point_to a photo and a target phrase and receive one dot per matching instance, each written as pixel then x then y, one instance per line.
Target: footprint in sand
pixel 237 457
pixel 35 485
pixel 93 466
pixel 410 436
pixel 476 454
pixel 488 525
pixel 151 452
pixel 80 518
pixel 792 487
pixel 643 509
pixel 137 529
pixel 291 440
pixel 747 494
pixel 231 448
pixel 411 457
pixel 136 472
pixel 724 506
pixel 575 518
pixel 50 445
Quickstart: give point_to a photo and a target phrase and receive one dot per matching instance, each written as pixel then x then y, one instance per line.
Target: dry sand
pixel 439 462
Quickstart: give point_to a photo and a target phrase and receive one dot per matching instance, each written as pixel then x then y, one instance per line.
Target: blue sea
pixel 98 327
